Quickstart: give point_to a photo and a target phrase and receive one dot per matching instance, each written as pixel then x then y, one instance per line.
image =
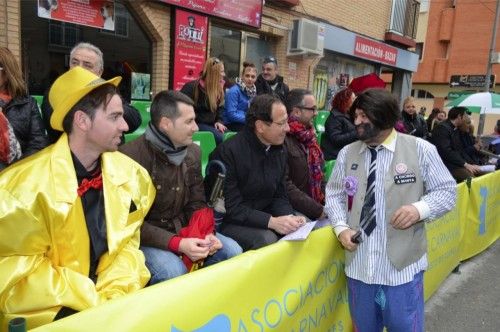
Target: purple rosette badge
pixel 350 187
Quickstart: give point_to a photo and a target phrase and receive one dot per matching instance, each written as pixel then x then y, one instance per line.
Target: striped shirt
pixel 371 263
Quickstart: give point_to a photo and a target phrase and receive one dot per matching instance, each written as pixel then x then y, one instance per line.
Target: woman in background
pixel 339 129
pixel 20 109
pixel 238 98
pixel 207 93
pixel 414 123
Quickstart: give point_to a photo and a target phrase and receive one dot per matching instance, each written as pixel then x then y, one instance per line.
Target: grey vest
pixel 407 246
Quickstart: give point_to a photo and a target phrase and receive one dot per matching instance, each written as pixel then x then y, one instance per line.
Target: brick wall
pixel 457 40
pixel 10 35
pixel 367 17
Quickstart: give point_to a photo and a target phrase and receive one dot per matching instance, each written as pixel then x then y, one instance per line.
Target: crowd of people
pixel 108 218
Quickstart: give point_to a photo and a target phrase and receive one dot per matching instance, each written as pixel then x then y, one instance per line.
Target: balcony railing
pixel 404 18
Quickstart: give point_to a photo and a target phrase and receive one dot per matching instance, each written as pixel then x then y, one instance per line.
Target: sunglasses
pixel 270 59
pixel 215 61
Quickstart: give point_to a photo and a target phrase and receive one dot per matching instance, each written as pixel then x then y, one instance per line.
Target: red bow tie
pixel 95 182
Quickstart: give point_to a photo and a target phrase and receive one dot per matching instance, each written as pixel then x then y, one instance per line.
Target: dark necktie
pixel 368 212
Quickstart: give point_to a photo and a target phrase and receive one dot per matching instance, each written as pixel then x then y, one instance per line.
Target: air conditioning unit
pixel 306 38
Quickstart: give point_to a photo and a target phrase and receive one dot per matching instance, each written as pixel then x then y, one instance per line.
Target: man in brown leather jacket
pixel 305 186
pixel 167 151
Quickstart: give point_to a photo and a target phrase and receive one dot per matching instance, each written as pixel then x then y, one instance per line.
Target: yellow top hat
pixel 69 88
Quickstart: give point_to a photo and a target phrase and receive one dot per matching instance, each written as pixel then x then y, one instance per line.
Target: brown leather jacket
pixel 298 180
pixel 179 190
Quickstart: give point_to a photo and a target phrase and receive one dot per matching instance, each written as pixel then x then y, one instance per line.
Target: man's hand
pixel 345 239
pixel 215 244
pixel 474 169
pixel 194 248
pixel 405 216
pixel 286 224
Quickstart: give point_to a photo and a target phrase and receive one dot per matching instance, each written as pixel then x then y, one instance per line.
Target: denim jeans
pixel 217 134
pixel 165 265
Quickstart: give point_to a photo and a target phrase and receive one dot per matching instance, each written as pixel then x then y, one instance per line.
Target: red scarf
pixel 315 160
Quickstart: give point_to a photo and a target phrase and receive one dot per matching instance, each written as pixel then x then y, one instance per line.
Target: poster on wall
pixel 92 13
pixel 320 88
pixel 140 86
pixel 248 12
pixel 343 80
pixel 190 47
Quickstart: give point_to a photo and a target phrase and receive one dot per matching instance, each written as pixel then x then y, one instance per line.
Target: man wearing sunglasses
pixel 269 82
pixel 305 185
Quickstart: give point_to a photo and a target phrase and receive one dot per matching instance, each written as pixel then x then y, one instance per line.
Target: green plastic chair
pixel 319 121
pixel 328 169
pixel 144 109
pixel 206 141
pixel 229 134
pixel 38 99
pixel 320 137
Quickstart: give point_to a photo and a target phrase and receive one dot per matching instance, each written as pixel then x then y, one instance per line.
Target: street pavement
pixel 470 300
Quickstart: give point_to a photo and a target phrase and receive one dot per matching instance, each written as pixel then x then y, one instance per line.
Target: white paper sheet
pixel 300 234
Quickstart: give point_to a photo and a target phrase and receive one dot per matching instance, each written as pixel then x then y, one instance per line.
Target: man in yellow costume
pixel 70 215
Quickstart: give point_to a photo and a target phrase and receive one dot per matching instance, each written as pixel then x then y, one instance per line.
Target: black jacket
pixel 130 114
pixel 201 107
pixel 469 152
pixel 297 185
pixel 24 117
pixel 415 125
pixel 339 132
pixel 445 138
pixel 254 188
pixel 280 91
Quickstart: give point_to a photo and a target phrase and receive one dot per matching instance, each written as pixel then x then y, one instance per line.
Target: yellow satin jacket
pixel 44 244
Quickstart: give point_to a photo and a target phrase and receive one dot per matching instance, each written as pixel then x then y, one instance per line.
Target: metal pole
pixel 488 67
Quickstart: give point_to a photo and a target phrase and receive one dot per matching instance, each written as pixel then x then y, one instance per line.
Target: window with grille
pixel 63 34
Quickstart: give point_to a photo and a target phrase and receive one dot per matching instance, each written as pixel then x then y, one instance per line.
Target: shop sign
pixel 370 49
pixel 470 81
pixel 190 47
pixel 93 13
pixel 248 12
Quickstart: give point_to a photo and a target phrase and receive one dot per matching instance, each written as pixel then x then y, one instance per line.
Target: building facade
pixel 351 39
pixel 454 40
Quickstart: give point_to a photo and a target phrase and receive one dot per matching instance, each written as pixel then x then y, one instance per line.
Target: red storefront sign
pixel 190 47
pixel 93 13
pixel 248 12
pixel 370 49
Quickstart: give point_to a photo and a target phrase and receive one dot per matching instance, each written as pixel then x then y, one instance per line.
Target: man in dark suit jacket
pixel 258 212
pixel 445 138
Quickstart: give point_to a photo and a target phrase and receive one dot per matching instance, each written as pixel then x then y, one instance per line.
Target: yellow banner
pixel 443 243
pixel 288 286
pixel 482 226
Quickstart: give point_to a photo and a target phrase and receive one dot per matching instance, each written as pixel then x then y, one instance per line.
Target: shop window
pixel 421 94
pixel 63 34
pixel 234 47
pixel 46 45
pixel 257 49
pixel 225 44
pixel 333 73
pixel 121 21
